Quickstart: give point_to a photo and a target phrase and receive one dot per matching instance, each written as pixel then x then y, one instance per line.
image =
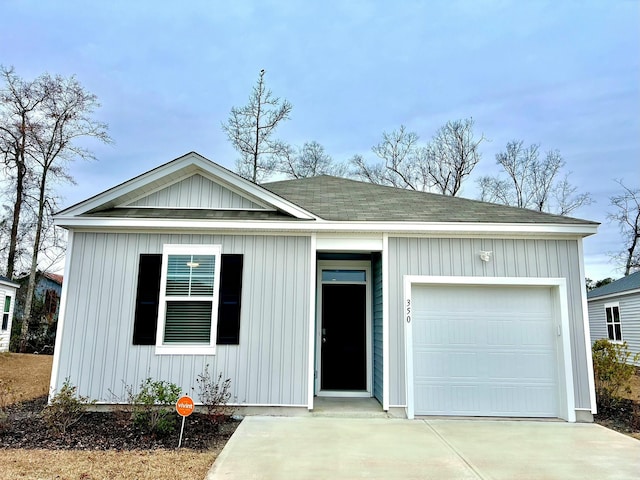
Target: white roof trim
pixel 614 294
pixel 574 230
pixel 208 168
pixel 9 284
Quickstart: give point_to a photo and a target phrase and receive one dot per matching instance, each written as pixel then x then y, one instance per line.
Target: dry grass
pixel 635 387
pixel 96 465
pixel 27 377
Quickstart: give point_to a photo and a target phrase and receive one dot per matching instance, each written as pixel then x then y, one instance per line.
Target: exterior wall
pixel 268 367
pixel 376 273
pixel 629 320
pixel 5 335
pixel 195 192
pixel 510 258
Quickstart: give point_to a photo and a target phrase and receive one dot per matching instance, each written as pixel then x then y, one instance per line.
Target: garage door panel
pixel 484 351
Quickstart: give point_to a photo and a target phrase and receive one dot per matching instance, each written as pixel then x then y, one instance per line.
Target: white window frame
pixel 613 305
pixel 188 349
pixel 7 312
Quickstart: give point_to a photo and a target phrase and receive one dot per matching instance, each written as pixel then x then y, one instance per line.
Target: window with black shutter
pixel 149 294
pixel 229 300
pixel 147 299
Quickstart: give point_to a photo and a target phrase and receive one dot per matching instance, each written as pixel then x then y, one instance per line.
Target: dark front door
pixel 344 346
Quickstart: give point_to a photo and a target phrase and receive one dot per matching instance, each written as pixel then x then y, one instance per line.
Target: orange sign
pixel 184 406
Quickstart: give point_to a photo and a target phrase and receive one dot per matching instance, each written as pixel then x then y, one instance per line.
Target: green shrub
pixel 153 406
pixel 66 408
pixel 612 371
pixel 214 396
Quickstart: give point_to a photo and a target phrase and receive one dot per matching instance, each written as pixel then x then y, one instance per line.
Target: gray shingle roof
pixel 340 199
pixel 630 282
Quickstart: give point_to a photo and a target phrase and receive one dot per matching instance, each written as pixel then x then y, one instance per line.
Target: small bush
pixel 612 371
pixel 214 396
pixel 66 408
pixel 153 406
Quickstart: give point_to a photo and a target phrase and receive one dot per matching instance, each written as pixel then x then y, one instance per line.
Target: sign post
pixel 184 407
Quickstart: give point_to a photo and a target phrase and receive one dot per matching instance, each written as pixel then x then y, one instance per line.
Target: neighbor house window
pixel 5 312
pixel 614 328
pixel 189 287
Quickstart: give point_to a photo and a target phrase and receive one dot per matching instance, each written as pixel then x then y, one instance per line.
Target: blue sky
pixel 562 74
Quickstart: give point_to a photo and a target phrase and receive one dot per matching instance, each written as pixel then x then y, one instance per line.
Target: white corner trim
pixel 406 317
pixel 312 322
pixel 385 324
pixel 567 411
pixel 64 295
pixel 587 332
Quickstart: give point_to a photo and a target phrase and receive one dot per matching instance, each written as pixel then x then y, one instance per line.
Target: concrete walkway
pixel 347 448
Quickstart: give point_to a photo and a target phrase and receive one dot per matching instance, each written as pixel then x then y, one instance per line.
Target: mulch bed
pixel 106 431
pixel 623 416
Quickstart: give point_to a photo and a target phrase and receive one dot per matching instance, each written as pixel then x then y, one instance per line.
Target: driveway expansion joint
pixel 455 451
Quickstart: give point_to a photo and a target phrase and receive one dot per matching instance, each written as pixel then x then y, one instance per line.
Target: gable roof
pixel 623 285
pixel 185 194
pixel 341 199
pixel 129 193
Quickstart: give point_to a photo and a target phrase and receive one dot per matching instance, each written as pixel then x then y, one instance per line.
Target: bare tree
pixel 396 167
pixel 250 130
pixel 627 216
pixel 19 103
pixel 65 115
pixel 309 161
pixel 531 182
pixel 451 156
pixel 441 165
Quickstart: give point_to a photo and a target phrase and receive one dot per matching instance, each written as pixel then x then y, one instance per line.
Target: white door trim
pixel 344 265
pixel 566 397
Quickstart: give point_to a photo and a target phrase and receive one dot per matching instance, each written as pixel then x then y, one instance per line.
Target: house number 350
pixel 408 310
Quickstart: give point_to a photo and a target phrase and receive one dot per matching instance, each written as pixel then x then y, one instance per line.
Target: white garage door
pixel 484 351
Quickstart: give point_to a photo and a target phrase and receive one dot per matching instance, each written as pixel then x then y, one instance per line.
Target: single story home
pixel 7 300
pixel 614 312
pixel 324 286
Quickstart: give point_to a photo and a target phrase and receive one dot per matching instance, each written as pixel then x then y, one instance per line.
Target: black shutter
pixel 147 299
pixel 229 300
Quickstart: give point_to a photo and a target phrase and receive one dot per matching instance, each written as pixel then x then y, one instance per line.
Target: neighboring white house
pixel 324 286
pixel 614 312
pixel 7 299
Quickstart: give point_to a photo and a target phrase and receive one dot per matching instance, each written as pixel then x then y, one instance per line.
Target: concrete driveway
pixel 346 448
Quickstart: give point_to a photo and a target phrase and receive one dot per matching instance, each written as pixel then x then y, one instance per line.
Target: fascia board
pixel 233 181
pixel 579 230
pixel 623 293
pixel 9 284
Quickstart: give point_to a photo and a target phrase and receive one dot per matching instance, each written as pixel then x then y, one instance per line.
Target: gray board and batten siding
pixel 280 224
pixel 510 258
pixel 269 365
pixel 195 192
